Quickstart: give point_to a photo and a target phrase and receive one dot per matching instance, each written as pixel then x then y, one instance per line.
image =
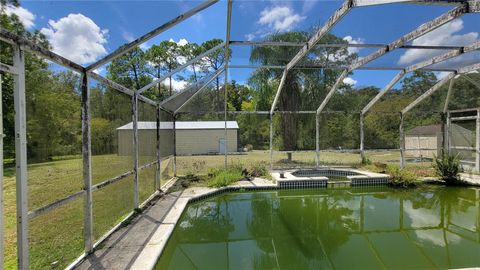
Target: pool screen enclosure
pixel 172 108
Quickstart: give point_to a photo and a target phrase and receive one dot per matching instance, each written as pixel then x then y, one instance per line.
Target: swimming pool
pixel 352 228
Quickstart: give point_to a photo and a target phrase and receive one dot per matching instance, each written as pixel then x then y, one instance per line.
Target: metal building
pixel 193 137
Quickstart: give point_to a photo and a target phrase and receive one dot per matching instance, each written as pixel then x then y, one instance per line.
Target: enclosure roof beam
pixel 468 69
pixel 188 63
pixel 428 62
pixel 419 31
pixel 329 24
pixel 12 38
pixel 164 27
pixel 335 67
pixel 341 45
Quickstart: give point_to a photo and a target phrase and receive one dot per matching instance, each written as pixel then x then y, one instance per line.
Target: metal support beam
pixel 87 165
pixel 472 81
pixel 135 150
pixel 17 40
pixel 271 141
pixel 329 24
pixel 419 31
pixel 2 214
pixel 362 135
pixel 402 143
pixel 332 67
pixel 449 94
pixel 225 85
pixel 468 69
pixel 164 27
pixel 180 68
pixel 383 92
pixel 317 140
pixel 174 145
pixel 429 92
pixel 477 143
pixel 158 176
pixel 21 157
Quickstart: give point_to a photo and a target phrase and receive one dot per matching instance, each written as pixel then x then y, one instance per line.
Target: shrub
pixel 224 178
pixel 401 178
pixel 447 167
pixel 248 147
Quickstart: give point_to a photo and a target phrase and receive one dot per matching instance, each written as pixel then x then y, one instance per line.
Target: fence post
pixel 135 149
pixel 159 156
pixel 87 165
pixel 21 158
pixel 402 143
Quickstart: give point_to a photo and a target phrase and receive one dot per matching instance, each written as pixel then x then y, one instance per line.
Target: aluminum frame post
pixel 158 176
pixel 227 59
pixel 402 142
pixel 477 143
pixel 317 140
pixel 449 94
pixel 449 124
pixel 87 165
pixel 271 141
pixel 174 146
pixel 21 157
pixel 362 146
pixel 2 214
pixel 135 149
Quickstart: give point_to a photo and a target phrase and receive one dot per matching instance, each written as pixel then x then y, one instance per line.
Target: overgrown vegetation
pixel 447 167
pixel 401 177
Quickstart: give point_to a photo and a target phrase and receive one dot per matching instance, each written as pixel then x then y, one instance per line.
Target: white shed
pixel 420 138
pixel 192 138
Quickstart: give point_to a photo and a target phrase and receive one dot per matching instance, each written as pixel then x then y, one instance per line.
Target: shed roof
pixel 183 125
pixel 425 130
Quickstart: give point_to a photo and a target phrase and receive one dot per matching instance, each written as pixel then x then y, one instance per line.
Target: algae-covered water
pixel 358 228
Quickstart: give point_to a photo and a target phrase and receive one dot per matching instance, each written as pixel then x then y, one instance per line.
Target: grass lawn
pixel 58 235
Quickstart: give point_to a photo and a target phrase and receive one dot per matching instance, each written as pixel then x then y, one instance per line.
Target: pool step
pixel 339 184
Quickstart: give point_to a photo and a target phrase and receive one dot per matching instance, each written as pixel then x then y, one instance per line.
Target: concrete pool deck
pixel 138 244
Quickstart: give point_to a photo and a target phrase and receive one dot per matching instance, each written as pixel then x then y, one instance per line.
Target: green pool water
pixel 373 228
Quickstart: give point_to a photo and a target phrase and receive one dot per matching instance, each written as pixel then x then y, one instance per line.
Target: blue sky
pixel 102 26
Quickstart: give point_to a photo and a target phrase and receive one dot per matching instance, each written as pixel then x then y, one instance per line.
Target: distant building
pixel 431 137
pixel 192 138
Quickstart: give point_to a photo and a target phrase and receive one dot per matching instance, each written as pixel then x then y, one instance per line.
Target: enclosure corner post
pixel 448 130
pixel 135 149
pixel 21 158
pixel 317 140
pixel 158 175
pixel 227 59
pixel 477 143
pixel 271 141
pixel 402 143
pixel 87 165
pixel 362 137
pixel 174 146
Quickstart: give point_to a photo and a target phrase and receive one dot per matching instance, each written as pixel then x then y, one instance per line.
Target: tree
pixel 164 59
pixel 130 69
pixel 213 62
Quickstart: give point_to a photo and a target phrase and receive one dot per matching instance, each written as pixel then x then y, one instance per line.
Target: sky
pixel 85 31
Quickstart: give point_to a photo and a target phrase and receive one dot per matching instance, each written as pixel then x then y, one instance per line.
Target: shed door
pixel 221 146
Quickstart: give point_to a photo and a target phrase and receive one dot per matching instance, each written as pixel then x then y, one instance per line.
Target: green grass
pixel 58 235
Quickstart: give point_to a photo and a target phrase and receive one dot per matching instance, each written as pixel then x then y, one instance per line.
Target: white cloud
pixel 352 40
pixel 444 35
pixel 26 17
pixel 77 37
pixel 182 42
pixel 250 37
pixel 280 18
pixel 176 84
pixel 441 74
pixel 350 81
pixel 308 5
